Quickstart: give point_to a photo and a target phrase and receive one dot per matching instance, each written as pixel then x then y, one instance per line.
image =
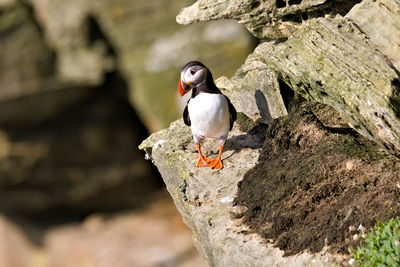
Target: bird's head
pixel 193 74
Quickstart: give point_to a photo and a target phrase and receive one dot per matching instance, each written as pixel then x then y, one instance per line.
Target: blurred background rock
pixel 82 83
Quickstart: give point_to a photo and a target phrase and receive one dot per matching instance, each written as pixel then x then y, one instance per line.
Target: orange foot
pixel 216 164
pixel 203 162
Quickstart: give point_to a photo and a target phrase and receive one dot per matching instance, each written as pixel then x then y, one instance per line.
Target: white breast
pixel 209 115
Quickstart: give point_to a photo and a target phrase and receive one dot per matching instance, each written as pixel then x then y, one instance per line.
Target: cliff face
pixel 328 58
pixel 325 79
pixel 205 197
pixel 139 39
pixel 78 86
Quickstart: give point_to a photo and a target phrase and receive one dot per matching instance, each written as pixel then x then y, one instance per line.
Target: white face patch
pixel 194 75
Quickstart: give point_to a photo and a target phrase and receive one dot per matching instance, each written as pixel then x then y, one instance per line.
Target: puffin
pixel 208 112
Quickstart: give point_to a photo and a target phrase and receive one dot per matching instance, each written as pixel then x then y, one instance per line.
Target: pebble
pixel 352 228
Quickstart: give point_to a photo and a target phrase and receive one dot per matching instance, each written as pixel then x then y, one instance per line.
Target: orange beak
pixel 182 88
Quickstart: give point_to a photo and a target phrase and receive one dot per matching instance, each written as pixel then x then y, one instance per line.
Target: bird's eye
pixel 192 72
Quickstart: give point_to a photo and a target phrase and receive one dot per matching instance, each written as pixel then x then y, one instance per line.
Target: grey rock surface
pixel 270 19
pixel 325 56
pixel 255 91
pixel 15 249
pixel 328 60
pixel 204 198
pixel 380 21
pixel 332 62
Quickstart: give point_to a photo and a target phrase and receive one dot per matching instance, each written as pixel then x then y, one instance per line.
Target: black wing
pixel 186 117
pixel 232 112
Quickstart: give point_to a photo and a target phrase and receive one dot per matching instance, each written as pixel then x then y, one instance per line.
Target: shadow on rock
pixel 310 185
pixel 254 139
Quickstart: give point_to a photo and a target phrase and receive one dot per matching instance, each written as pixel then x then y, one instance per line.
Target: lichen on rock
pixel 271 19
pixel 312 183
pixel 330 61
pixel 255 91
pixel 326 81
pixel 205 197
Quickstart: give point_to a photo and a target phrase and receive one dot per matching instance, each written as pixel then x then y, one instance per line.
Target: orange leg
pixel 217 163
pixel 203 161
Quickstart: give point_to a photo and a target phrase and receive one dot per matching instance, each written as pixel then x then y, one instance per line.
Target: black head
pixel 193 74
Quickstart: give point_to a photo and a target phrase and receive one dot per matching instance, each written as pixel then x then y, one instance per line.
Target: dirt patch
pixel 311 184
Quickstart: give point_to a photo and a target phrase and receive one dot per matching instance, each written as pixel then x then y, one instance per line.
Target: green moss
pixel 366 150
pixel 244 122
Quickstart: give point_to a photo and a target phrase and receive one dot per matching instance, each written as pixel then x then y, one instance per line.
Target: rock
pixel 380 20
pixel 15 249
pixel 22 47
pixel 297 193
pixel 155 236
pixel 312 164
pixel 150 47
pixel 76 64
pixel 28 80
pixel 272 19
pixel 81 59
pixel 328 60
pixel 255 91
pixel 82 160
pixel 205 197
pixel 360 83
pixel 312 182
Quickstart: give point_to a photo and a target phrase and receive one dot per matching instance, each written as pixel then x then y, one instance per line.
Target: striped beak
pixel 183 88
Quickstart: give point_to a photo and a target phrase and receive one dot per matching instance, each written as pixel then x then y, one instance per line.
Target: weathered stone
pixel 57 138
pixel 142 41
pixel 15 249
pixel 205 197
pixel 325 60
pixel 255 91
pixel 57 60
pixel 312 182
pixel 65 23
pixel 28 80
pixel 5 3
pixel 380 20
pixel 154 236
pixel 270 19
pixel 330 61
pixel 22 51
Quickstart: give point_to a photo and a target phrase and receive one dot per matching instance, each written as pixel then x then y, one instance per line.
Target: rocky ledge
pixel 325 79
pixel 206 197
pixel 288 193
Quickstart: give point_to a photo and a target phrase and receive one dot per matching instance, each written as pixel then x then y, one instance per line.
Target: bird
pixel 208 112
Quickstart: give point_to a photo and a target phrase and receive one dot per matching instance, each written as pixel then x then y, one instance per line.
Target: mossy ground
pixel 311 184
